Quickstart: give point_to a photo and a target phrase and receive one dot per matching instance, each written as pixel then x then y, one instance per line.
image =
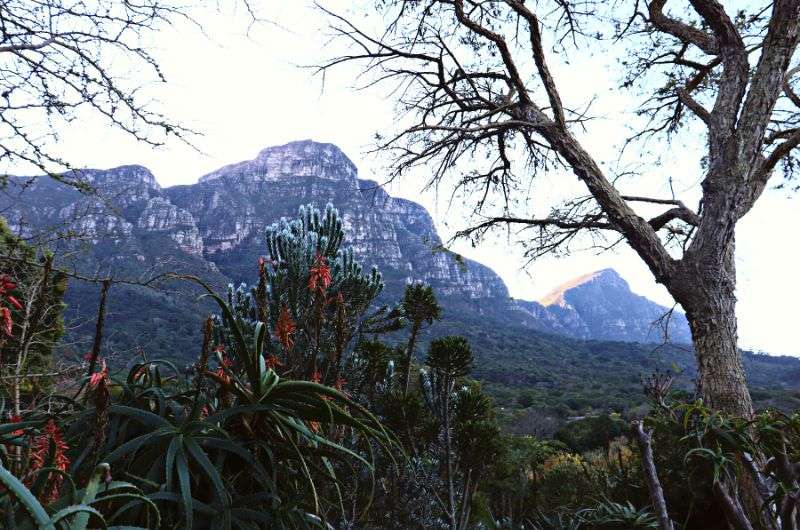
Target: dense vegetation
pixel 303 409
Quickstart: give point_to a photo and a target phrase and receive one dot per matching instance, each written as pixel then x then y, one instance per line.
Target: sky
pixel 246 88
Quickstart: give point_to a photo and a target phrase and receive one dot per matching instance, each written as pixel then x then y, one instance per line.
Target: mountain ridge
pixel 219 222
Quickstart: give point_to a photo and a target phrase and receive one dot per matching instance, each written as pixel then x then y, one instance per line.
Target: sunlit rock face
pixel 216 228
pixel 600 305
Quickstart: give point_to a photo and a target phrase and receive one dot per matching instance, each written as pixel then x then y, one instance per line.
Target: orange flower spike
pixel 222 371
pixel 7 321
pixel 320 277
pixel 13 301
pixel 6 284
pixel 272 362
pixel 16 419
pixel 40 454
pixel 284 329
pixel 99 377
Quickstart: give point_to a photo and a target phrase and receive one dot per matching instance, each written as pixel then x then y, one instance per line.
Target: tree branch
pixel 683 32
pixel 644 440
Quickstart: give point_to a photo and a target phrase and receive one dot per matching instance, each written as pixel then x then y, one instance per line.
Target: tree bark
pixel 448 456
pixel 653 483
pixel 412 341
pixel 706 290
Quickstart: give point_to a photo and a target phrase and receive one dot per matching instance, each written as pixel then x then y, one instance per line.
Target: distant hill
pixel 215 229
pixel 601 306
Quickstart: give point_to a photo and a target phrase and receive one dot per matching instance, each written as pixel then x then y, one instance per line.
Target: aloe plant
pixel 252 438
pixel 22 510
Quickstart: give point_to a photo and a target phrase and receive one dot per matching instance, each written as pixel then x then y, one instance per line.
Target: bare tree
pixel 475 87
pixel 59 58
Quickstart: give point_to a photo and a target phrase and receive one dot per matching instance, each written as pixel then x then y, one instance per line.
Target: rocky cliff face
pixel 215 228
pixel 600 305
pixel 233 206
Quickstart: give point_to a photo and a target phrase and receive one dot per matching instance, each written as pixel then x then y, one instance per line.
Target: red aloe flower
pixel 222 373
pixel 8 322
pixel 314 425
pixel 140 373
pixel 6 284
pixel 339 385
pixel 272 362
pixel 13 301
pixel 40 457
pixel 316 377
pixel 99 377
pixel 284 329
pixel 320 277
pixel 15 418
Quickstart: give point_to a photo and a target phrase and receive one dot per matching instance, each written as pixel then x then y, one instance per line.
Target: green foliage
pixel 295 412
pixel 234 444
pixel 590 433
pixel 37 315
pixel 450 357
pixel 419 304
pixel 476 433
pixel 20 509
pixel 311 299
pixel 609 515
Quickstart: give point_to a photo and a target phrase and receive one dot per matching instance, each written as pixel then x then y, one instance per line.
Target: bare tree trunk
pixel 705 286
pixel 98 331
pixel 463 517
pixel 706 290
pixel 412 341
pixel 448 456
pixel 653 484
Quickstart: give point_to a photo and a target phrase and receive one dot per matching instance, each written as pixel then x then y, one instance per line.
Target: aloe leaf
pixel 82 513
pixel 185 486
pixel 143 416
pixel 169 460
pixel 18 491
pixel 201 458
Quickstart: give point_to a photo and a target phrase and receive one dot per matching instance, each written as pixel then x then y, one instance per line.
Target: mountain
pixel 233 205
pixel 601 306
pixel 134 228
pixel 215 228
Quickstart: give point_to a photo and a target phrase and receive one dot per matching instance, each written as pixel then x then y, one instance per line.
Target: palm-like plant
pixel 419 306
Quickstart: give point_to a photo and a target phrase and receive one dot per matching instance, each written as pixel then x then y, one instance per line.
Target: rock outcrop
pixel 216 228
pixel 601 306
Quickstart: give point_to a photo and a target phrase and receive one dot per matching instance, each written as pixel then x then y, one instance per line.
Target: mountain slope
pixel 601 306
pixel 133 228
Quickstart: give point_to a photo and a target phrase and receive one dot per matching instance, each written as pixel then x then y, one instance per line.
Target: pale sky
pixel 247 93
